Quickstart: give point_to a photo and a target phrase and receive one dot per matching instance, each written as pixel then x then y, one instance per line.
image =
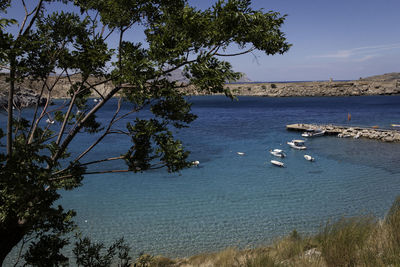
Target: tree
pixel 46 47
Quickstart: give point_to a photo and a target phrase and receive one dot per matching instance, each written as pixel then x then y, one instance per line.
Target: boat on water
pixel 240 153
pixel 297 144
pixel 277 153
pixel 395 125
pixel 309 158
pixel 313 133
pixel 277 163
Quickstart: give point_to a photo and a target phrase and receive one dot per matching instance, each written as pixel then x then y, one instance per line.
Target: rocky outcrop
pixel 385 135
pixel 352 88
pixel 387 86
pixel 23 98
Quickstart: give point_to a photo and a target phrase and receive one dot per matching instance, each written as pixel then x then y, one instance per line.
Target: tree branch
pixel 72 134
pixel 38 7
pixel 236 54
pixel 106 132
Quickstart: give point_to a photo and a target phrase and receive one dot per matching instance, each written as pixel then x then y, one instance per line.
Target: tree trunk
pixel 10 236
pixel 10 106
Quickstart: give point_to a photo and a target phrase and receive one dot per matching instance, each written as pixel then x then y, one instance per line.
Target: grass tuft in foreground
pixel 355 241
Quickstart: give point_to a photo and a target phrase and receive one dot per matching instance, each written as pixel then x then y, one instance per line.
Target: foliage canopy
pixel 46 47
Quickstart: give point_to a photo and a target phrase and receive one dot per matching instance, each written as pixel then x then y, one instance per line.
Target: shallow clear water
pixel 233 200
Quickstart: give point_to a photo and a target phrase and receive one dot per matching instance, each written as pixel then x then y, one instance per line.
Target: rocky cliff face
pixel 387 86
pixel 23 98
pixel 353 88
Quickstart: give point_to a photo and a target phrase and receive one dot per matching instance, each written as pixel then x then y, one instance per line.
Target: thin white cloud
pixel 365 58
pixel 360 53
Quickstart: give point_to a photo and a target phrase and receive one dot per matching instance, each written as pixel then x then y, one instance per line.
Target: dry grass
pixel 357 241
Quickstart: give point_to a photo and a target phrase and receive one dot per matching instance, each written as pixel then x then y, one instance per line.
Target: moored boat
pixel 309 158
pixel 297 144
pixel 277 153
pixel 277 163
pixel 313 133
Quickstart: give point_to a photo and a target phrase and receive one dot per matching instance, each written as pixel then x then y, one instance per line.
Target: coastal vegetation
pixel 44 47
pixel 349 241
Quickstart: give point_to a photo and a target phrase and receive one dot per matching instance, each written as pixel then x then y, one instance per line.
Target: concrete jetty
pixel 374 132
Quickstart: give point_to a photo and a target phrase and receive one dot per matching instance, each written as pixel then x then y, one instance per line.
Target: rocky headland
pixel 385 135
pixel 387 84
pixel 325 88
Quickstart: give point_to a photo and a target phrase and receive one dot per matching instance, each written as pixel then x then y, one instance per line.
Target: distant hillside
pixel 384 77
pixel 244 79
pixel 177 75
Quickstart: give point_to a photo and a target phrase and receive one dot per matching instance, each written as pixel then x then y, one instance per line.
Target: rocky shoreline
pixel 311 89
pixel 23 98
pixel 362 87
pixel 385 135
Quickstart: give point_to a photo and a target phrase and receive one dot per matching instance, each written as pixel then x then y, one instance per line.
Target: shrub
pixel 260 260
pixel 273 85
pixel 160 261
pixel 144 260
pixel 90 254
pixel 342 242
pixel 393 223
pixel 227 258
pixel 263 87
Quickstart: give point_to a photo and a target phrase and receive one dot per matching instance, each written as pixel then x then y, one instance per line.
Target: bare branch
pixel 106 132
pixel 62 129
pixel 25 18
pixel 35 122
pixel 38 7
pixel 102 160
pixel 72 134
pixel 94 88
pixel 236 54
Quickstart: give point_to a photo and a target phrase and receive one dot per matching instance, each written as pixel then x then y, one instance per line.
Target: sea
pixel 243 201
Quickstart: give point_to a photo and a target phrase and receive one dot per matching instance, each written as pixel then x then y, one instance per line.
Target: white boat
pixel 309 158
pixel 240 153
pixel 196 163
pixel 277 153
pixel 277 163
pixel 306 134
pixel 313 133
pixel 297 144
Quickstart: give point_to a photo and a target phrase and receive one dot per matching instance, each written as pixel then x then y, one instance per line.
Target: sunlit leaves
pixel 73 46
pixel 210 74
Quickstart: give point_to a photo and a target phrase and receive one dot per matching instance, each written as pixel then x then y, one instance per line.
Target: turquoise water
pixel 232 200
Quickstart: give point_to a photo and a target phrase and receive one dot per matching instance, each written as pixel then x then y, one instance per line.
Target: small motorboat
pixel 277 153
pixel 313 133
pixel 240 153
pixel 277 163
pixel 196 163
pixel 306 134
pixel 309 158
pixel 297 144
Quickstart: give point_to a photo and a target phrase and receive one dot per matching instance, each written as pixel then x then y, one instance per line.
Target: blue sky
pixel 339 39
